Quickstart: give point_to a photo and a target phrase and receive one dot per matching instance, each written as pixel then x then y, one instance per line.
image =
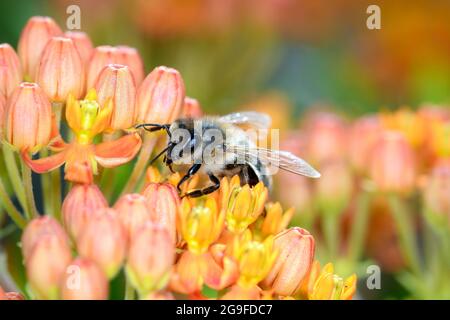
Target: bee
pixel 220 147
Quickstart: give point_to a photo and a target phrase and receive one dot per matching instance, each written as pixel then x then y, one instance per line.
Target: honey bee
pixel 221 147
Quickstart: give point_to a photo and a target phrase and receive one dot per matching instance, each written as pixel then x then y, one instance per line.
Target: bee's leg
pixel 192 170
pixel 207 190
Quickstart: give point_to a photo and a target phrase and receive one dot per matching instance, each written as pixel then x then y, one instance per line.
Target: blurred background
pixel 319 71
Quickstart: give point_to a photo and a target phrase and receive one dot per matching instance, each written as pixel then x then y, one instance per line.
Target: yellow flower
pixel 275 220
pixel 245 204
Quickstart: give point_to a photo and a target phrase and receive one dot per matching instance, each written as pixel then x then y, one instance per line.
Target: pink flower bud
pixel 46 265
pixel 133 212
pixel 103 240
pixel 61 70
pixel 82 201
pixel 100 58
pixel 191 108
pixel 150 258
pixel 295 256
pixel 84 280
pixel 130 57
pixel 82 43
pixel 37 228
pixel 10 70
pixel 392 163
pixel 116 82
pixel 28 118
pixel 37 32
pixel 163 201
pixel 160 96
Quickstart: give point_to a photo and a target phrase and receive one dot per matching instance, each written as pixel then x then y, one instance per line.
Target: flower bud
pixel 82 43
pixel 160 96
pixel 46 265
pixel 61 70
pixel 103 241
pixel 84 280
pixel 437 196
pixel 392 164
pixel 37 32
pixel 191 108
pixel 330 286
pixel 82 201
pixel 37 228
pixel 10 295
pixel 2 113
pixel 100 58
pixel 28 118
pixel 163 201
pixel 188 273
pixel 133 212
pixel 159 295
pixel 10 70
pixel 116 82
pixel 295 256
pixel 150 258
pixel 130 57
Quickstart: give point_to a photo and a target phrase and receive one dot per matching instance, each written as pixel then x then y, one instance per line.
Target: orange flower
pixel 33 39
pixel 187 276
pixel 100 58
pixel 84 280
pixel 241 293
pixel 82 43
pixel 274 220
pixel 191 108
pixel 437 196
pixel 10 70
pixel 407 122
pixel 28 118
pixel 60 71
pixel 130 57
pixel 86 118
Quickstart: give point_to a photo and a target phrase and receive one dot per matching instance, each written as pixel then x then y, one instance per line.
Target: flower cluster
pixel 78 108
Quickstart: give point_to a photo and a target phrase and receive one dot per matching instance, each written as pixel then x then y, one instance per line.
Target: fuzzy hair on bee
pixel 219 147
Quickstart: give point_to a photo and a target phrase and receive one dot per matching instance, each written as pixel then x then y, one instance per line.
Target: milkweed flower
pixel 82 201
pixel 408 122
pixel 188 273
pixel 82 43
pixel 33 39
pixel 437 196
pixel 60 71
pixel 28 118
pixel 191 108
pixel 116 83
pixel 104 241
pixel 10 70
pixel 274 220
pixel 150 258
pixel 87 119
pixel 295 256
pixel 84 280
pixel 132 59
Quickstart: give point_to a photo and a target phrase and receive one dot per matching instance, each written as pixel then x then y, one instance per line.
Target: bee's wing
pixel 252 118
pixel 282 159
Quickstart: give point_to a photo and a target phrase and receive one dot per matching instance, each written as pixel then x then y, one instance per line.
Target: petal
pixel 219 277
pixel 79 172
pixel 44 164
pixel 114 153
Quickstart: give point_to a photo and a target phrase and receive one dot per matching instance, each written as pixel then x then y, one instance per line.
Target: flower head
pixel 10 70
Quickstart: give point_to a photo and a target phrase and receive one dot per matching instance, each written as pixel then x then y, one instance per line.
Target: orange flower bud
pixel 191 108
pixel 36 229
pixel 103 240
pixel 163 201
pixel 2 113
pixel 115 82
pixel 437 196
pixel 46 265
pixel 392 164
pixel 82 201
pixel 84 280
pixel 242 293
pixel 160 96
pixel 159 295
pixel 150 258
pixel 100 58
pixel 10 70
pixel 152 175
pixel 82 43
pixel 188 273
pixel 28 118
pixel 37 32
pixel 130 57
pixel 133 212
pixel 61 70
pixel 295 257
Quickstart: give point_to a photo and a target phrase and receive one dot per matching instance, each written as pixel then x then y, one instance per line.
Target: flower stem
pixel 141 162
pixel 10 208
pixel 55 175
pixel 14 176
pixel 359 227
pixel 406 232
pixel 46 188
pixel 129 290
pixel 331 234
pixel 28 183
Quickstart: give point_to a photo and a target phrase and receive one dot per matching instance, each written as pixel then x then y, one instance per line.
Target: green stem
pixel 129 290
pixel 28 183
pixel 141 162
pixel 46 188
pixel 55 175
pixel 406 232
pixel 14 176
pixel 359 227
pixel 331 234
pixel 10 208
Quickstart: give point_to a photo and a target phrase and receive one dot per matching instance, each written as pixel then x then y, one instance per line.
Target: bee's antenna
pixel 161 153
